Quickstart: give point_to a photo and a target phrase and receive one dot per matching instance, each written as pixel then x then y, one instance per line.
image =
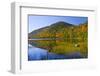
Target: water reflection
pixel 54 49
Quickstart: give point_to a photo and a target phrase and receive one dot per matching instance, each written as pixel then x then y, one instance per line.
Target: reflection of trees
pixel 50 46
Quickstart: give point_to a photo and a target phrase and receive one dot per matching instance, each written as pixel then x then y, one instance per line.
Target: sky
pixel 35 21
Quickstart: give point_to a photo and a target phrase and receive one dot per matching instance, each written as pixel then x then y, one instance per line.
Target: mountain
pixel 61 23
pixel 58 29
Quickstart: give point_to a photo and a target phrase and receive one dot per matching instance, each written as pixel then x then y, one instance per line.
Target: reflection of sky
pixel 36 22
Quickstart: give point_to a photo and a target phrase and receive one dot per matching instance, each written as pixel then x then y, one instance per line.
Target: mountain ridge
pixel 55 28
pixel 54 24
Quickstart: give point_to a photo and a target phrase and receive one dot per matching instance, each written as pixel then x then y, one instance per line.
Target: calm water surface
pixel 35 53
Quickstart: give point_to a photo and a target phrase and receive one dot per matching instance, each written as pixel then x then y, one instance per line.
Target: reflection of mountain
pixel 60 30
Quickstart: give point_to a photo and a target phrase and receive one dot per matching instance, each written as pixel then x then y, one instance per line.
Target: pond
pixel 48 50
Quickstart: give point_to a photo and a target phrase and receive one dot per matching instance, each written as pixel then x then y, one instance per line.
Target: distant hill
pixel 58 30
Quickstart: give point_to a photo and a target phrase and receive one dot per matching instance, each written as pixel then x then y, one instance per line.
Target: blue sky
pixel 36 21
